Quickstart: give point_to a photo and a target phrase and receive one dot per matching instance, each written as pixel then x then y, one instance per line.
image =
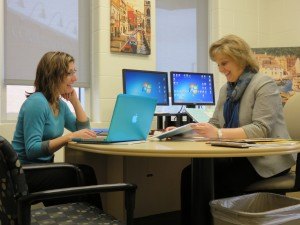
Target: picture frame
pixel 283 65
pixel 130 26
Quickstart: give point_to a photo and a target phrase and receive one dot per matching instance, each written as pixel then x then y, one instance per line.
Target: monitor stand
pixel 190 106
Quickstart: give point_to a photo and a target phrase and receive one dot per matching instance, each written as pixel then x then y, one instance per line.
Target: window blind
pixel 35 27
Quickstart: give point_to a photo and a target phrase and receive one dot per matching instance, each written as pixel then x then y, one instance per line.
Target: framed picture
pixel 130 26
pixel 283 65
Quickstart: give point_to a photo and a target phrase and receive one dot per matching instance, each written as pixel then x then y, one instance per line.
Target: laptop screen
pixel 132 118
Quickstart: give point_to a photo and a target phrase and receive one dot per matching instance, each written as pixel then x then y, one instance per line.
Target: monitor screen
pixel 192 89
pixel 147 83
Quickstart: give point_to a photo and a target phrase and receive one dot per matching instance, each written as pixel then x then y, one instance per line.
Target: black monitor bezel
pixel 156 73
pixel 191 104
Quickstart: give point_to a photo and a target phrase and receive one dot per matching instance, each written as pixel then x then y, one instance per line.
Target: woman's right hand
pixel 206 130
pixel 169 128
pixel 57 143
pixel 84 133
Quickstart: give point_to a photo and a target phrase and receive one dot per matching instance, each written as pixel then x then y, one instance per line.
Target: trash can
pixel 257 208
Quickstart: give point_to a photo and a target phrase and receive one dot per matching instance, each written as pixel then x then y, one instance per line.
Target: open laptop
pixel 130 122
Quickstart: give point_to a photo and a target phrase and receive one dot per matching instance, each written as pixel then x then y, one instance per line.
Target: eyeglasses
pixel 72 72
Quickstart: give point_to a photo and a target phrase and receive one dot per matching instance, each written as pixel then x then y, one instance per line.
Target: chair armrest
pixel 46 167
pixel 76 191
pixel 25 202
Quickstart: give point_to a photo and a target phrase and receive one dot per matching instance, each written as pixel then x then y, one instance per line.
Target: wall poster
pixel 283 65
pixel 130 26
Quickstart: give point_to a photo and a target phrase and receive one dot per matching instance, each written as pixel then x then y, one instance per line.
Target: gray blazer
pixel 260 116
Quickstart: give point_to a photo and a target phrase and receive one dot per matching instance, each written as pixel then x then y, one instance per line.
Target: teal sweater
pixel 37 125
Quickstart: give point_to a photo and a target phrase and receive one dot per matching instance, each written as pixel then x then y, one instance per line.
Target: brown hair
pixel 237 49
pixel 50 72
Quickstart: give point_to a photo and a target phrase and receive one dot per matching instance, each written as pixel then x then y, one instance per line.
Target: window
pixel 17 93
pixel 15 96
pixel 33 27
pixel 182 39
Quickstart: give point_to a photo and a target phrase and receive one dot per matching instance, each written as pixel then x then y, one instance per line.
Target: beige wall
pixel 279 23
pixel 7 130
pixel 107 66
pixel 262 23
pixel 233 17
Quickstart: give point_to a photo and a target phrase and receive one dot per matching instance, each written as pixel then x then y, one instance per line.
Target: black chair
pixel 16 201
pixel 44 176
pixel 291 181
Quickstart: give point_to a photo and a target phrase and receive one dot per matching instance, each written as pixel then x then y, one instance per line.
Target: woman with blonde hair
pixel 249 106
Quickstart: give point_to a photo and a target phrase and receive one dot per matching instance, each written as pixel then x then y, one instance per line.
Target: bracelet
pixel 220 134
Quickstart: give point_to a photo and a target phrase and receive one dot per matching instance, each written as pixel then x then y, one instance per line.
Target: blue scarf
pixel 232 104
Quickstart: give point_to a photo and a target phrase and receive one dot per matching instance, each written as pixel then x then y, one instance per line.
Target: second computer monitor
pixel 147 83
pixel 192 89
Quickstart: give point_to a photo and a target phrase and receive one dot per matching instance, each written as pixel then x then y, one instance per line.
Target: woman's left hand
pixel 205 130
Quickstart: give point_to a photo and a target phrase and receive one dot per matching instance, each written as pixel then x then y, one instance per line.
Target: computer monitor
pixel 147 83
pixel 192 89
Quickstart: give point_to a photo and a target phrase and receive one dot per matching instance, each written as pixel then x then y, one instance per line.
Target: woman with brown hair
pixel 44 115
pixel 43 118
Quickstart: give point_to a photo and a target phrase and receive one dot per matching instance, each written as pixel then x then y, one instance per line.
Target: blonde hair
pixel 50 72
pixel 237 49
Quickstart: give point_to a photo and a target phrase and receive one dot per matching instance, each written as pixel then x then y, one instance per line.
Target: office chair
pixel 291 181
pixel 16 201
